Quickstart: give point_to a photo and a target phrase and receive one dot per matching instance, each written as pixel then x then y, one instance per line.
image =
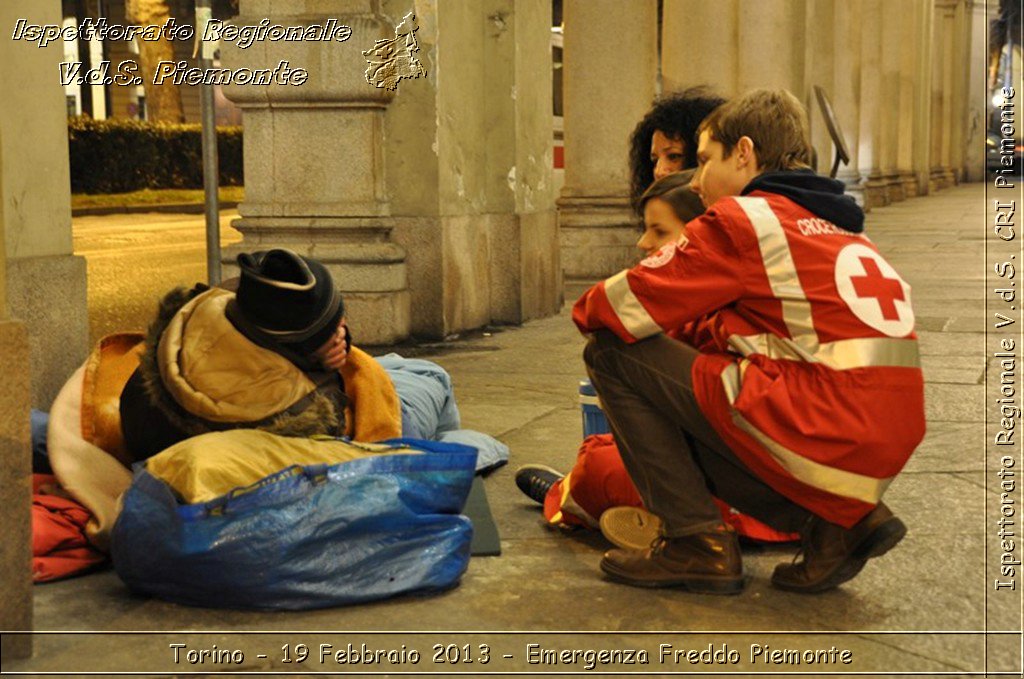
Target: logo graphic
pixel 874 291
pixel 391 60
pixel 664 255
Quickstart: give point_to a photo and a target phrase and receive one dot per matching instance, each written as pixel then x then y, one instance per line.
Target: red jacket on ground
pixel 809 366
pixel 59 546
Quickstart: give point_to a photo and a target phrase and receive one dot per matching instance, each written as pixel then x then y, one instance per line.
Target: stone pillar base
pixel 909 181
pixel 15 491
pixel 894 189
pixel 512 276
pixel 369 270
pixel 598 236
pixel 923 179
pixel 314 161
pixel 876 191
pixel 375 318
pixel 940 178
pixel 450 269
pixel 48 294
pixel 526 269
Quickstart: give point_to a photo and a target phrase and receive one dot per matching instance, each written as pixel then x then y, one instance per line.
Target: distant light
pixel 998 100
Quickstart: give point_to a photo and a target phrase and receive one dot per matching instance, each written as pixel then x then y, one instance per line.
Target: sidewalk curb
pixel 172 208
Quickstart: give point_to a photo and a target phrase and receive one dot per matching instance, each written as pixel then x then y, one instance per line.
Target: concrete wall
pixel 314 161
pixel 469 166
pixel 15 490
pixel 610 65
pixel 45 282
pixel 977 96
pixel 434 205
pixel 25 161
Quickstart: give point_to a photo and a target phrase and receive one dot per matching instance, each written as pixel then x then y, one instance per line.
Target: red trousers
pixel 599 481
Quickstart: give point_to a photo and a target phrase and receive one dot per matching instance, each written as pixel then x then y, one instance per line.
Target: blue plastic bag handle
pixel 315 474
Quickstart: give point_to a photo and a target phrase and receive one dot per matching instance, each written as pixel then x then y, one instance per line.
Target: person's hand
pixel 333 353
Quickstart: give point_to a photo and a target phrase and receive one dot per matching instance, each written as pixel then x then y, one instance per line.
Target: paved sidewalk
pixel 520 385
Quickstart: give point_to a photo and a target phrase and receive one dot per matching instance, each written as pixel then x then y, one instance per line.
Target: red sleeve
pixel 697 334
pixel 703 338
pixel 679 284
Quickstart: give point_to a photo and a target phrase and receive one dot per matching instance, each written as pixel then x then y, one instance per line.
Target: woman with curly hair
pixel 665 141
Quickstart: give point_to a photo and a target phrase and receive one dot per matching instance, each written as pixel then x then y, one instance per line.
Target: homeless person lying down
pixel 272 356
pixel 275 356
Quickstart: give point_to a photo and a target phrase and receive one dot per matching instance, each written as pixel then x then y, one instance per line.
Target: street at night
pixel 555 337
pixel 134 259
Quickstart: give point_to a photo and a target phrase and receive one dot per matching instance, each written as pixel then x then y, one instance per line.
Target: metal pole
pixel 84 56
pixel 211 173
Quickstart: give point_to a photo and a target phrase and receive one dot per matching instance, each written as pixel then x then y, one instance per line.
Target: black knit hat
pixel 286 299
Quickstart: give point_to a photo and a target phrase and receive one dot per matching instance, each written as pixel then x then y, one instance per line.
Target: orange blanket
pixel 374 412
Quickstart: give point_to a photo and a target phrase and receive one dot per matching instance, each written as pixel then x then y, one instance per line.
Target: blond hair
pixel 774 120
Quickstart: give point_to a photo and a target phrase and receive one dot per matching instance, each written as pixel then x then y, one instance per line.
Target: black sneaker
pixel 535 480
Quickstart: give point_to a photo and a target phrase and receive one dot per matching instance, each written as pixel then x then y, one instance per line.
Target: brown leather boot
pixel 833 554
pixel 702 562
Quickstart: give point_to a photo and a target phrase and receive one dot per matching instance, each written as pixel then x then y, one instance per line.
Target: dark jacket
pixel 823 196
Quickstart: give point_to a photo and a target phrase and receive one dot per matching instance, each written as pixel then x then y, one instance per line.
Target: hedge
pixel 119 155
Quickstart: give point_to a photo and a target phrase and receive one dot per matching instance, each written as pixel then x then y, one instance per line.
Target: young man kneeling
pixel 795 393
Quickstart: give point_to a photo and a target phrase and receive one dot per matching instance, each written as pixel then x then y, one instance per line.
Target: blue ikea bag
pixel 304 537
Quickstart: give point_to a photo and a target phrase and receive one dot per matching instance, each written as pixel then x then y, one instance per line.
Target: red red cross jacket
pixel 809 366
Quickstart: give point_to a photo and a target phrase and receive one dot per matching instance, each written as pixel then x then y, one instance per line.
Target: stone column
pixel 871 138
pixel 526 262
pixel 977 96
pixel 819 65
pixel 46 288
pixel 908 47
pixel 846 95
pixel 314 160
pixel 43 322
pixel 610 66
pixel 942 93
pixel 469 151
pixel 771 46
pixel 15 477
pixel 923 96
pixel 958 84
pixel 893 34
pixel 687 28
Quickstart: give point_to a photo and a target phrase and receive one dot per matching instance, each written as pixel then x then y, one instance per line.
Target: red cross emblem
pixel 874 284
pixel 873 290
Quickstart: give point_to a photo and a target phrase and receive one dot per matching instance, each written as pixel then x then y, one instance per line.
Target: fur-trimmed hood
pixel 203 375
